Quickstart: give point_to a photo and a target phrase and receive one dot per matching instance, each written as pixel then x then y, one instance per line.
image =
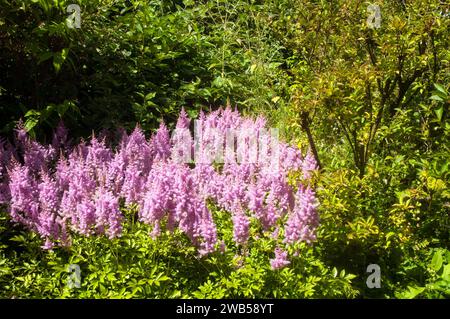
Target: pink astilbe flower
pixel 24 205
pixel 239 166
pixel 303 220
pixel 256 194
pixel 206 232
pixel 160 143
pixel 35 155
pixel 84 218
pixel 241 228
pixel 280 260
pixel 131 165
pixel 278 198
pixel 137 152
pixel 172 194
pixel 79 182
pixel 49 222
pixel 107 213
pixel 98 154
pixel 60 137
pixel 187 208
pixel 115 178
pixel 133 185
pixel 208 140
pixel 291 158
pixel 183 119
pixel 208 181
pixel 157 200
pixel 21 134
pixel 309 165
pixel 232 193
pixel 182 140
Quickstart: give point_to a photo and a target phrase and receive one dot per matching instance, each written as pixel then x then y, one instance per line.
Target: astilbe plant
pixel 56 191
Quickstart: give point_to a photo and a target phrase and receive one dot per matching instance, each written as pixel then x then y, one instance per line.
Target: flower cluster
pixel 280 260
pixel 233 161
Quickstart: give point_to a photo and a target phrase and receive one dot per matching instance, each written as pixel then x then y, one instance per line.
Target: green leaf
pixel 335 272
pixel 440 88
pixel 18 238
pixel 30 123
pixel 150 96
pixel 350 277
pixel 439 113
pixel 413 292
pixel 436 262
pixel 188 3
pixel 59 58
pixel 436 98
pixel 138 26
pixel 446 272
pixel 111 277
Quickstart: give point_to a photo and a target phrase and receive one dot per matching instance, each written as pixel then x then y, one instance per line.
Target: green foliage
pixel 133 61
pixel 373 102
pixel 355 81
pixel 137 266
pixel 437 284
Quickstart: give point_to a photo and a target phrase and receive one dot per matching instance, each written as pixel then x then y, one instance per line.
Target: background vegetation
pixel 372 104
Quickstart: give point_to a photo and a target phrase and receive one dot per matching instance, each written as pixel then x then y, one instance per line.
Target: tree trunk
pixel 305 123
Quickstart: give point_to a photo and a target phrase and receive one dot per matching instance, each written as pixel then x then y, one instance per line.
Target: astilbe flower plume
pixel 171 194
pixel 79 180
pixel 107 213
pixel 280 260
pixel 49 222
pixel 160 143
pixel 303 220
pixel 309 164
pixel 35 155
pixel 56 191
pixel 60 137
pixel 182 142
pixel 131 165
pixel 241 227
pixel 24 202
